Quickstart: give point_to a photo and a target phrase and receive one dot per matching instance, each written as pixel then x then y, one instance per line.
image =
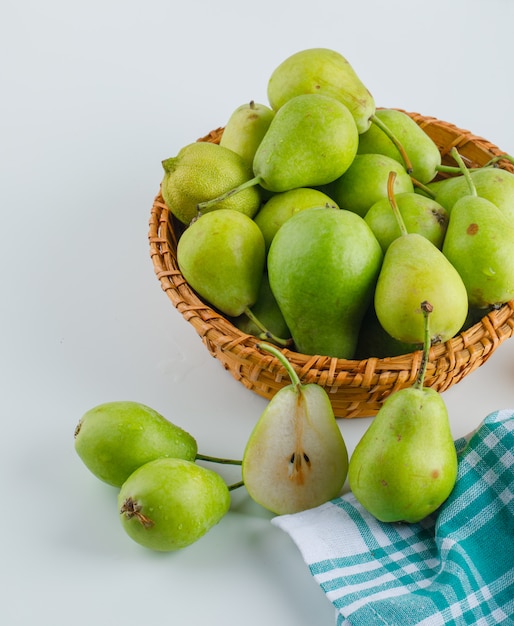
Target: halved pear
pixel 296 458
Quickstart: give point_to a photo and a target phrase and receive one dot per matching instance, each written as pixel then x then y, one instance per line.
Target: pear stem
pixel 451 169
pixel 394 205
pixel 423 188
pixel 500 157
pixel 455 154
pixel 283 360
pixel 209 203
pixel 427 308
pixel 384 128
pixel 236 485
pixel 216 459
pixel 266 334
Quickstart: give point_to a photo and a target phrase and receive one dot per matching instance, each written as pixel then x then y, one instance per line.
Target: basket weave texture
pixel 355 388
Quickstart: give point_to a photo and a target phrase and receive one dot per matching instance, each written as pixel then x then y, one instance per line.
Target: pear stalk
pixel 256 180
pixel 295 380
pixel 394 205
pixel 427 308
pixel 384 128
pixel 266 334
pixel 426 190
pixel 462 166
pixel 216 459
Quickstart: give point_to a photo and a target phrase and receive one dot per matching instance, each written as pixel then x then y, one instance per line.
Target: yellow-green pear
pixel 296 457
pixel 479 243
pixel 201 171
pixel 323 264
pixel 492 183
pixel 326 72
pixel 168 504
pixel 422 151
pixel 405 465
pixel 245 129
pixel 311 141
pixel 222 257
pixel 282 206
pixel 415 270
pixel 366 181
pixel 420 215
pixel 113 439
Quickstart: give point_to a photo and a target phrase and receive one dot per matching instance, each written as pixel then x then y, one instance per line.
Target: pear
pixel 245 129
pixel 311 141
pixel 295 457
pixel 423 153
pixel 200 171
pixel 405 465
pixel 374 341
pixel 365 182
pixel 491 183
pixel 266 320
pixel 323 265
pixel 479 243
pixel 414 270
pixel 222 257
pixel 282 206
pixel 113 439
pixel 168 504
pixel 321 71
pixel 420 215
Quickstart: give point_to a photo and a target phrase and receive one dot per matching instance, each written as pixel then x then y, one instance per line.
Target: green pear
pixel 115 438
pixel 405 465
pixel 222 257
pixel 267 313
pixel 492 183
pixel 282 206
pixel 365 182
pixel 479 243
pixel 414 270
pixel 420 214
pixel 295 458
pixel 168 504
pixel 245 129
pixel 311 141
pixel 201 171
pixel 322 71
pixel 422 151
pixel 374 341
pixel 323 265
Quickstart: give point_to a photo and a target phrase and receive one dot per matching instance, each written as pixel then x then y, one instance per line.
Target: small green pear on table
pixel 405 465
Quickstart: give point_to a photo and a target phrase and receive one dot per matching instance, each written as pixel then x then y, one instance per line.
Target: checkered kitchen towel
pixel 455 567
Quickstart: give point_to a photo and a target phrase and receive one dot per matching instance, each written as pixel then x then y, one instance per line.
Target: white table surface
pixel 94 95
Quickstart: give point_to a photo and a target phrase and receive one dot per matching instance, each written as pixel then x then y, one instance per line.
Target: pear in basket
pixel 323 265
pixel 245 129
pixel 492 183
pixel 222 257
pixel 323 71
pixel 414 270
pixel 202 170
pixel 311 141
pixel 479 243
pixel 422 151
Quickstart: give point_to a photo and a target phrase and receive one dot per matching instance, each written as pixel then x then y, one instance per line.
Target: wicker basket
pixel 356 388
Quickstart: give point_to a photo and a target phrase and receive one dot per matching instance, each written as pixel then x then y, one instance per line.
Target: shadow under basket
pixel 356 388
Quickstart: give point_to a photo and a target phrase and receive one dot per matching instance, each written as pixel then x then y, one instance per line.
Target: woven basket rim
pixel 449 361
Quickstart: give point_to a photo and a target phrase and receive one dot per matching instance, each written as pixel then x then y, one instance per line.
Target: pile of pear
pixel 321 222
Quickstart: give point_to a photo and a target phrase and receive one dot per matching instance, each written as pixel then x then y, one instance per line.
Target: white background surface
pixel 94 95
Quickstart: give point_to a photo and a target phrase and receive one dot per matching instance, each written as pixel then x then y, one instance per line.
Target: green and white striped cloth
pixel 455 567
